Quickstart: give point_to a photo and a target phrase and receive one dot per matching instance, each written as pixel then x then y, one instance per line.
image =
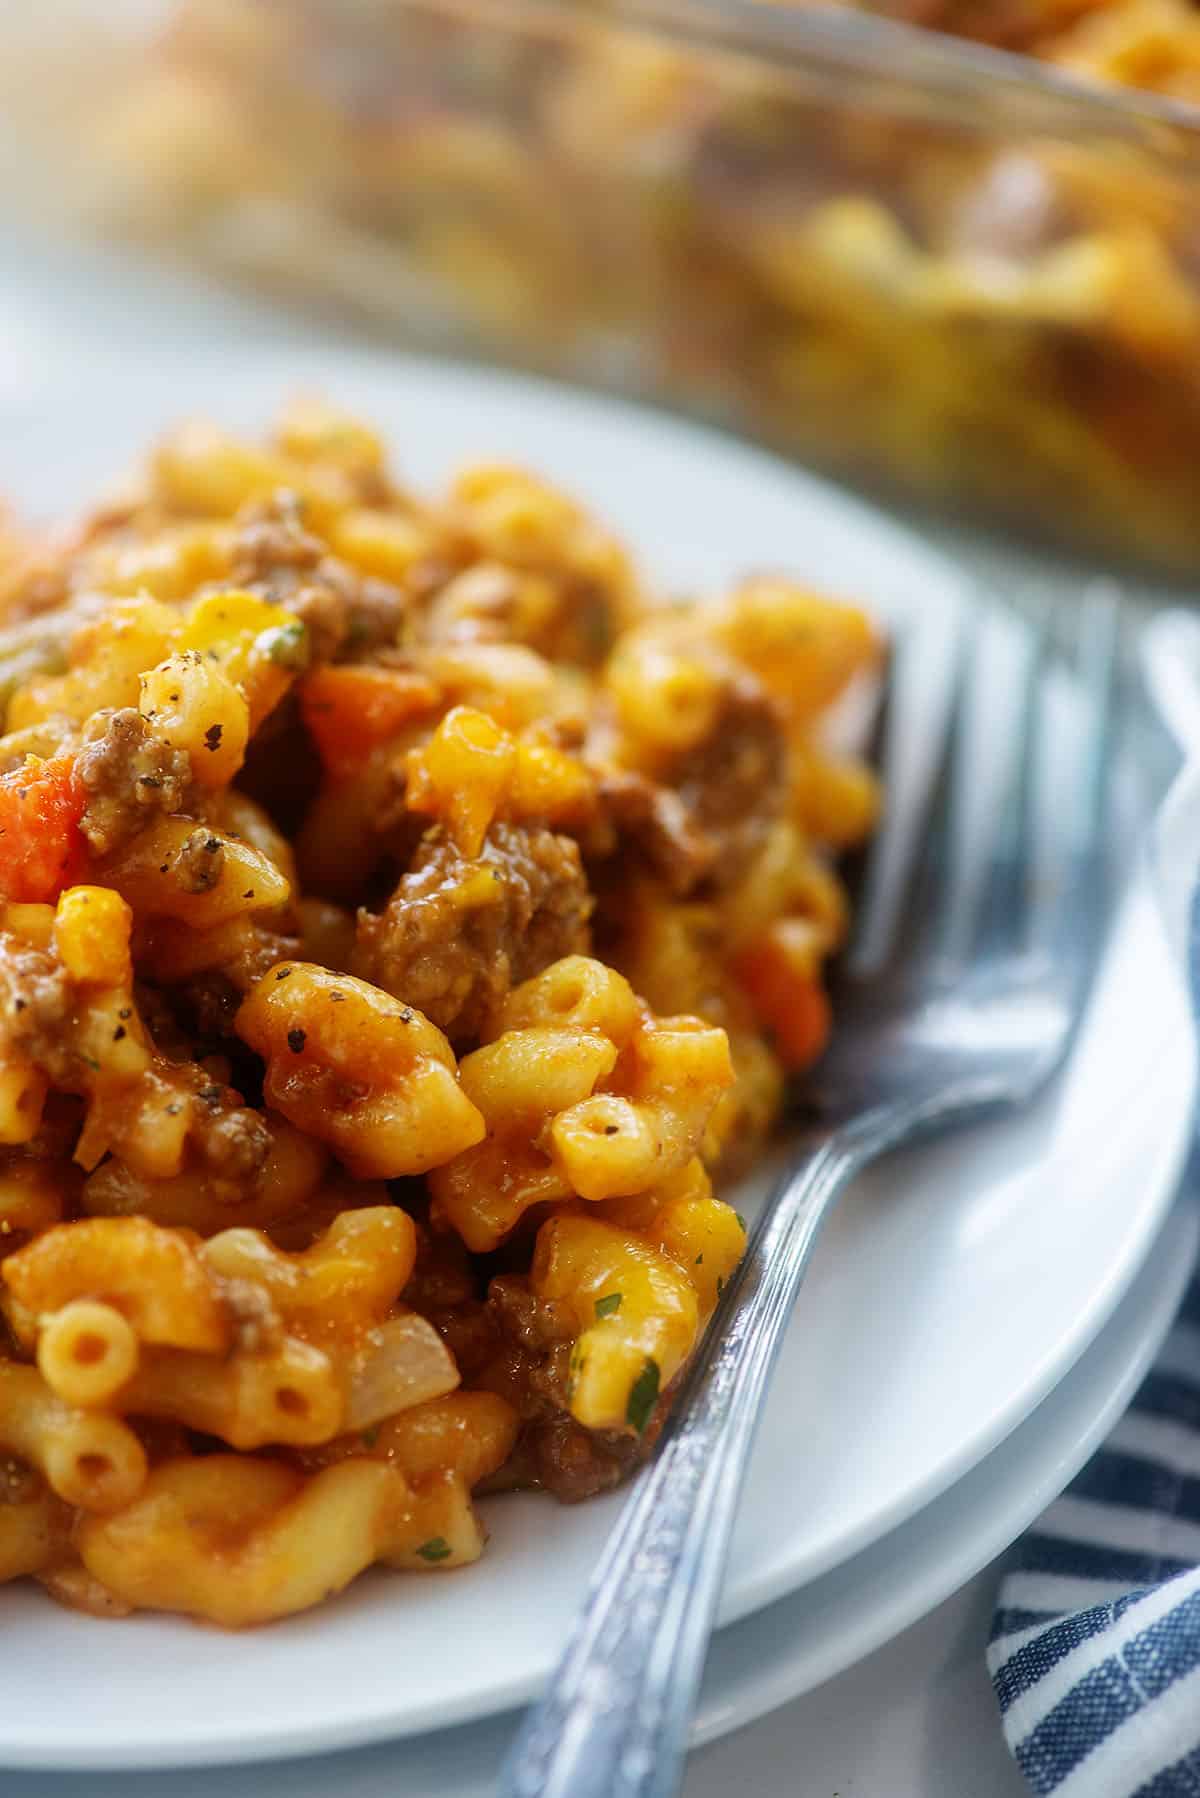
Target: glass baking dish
pixel 947 271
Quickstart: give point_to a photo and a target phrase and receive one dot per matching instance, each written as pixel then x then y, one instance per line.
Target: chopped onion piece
pixel 403 1363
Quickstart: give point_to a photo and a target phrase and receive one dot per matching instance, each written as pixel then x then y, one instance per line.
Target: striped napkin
pixel 1095 1649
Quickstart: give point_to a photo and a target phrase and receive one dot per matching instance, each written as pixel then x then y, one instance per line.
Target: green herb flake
pixel 700 1259
pixel 608 1304
pixel 720 1284
pixel 370 1437
pixel 436 1549
pixel 741 1220
pixel 286 645
pixel 643 1396
pixel 575 1367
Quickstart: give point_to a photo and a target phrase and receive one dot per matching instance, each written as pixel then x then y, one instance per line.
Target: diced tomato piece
pixel 350 711
pixel 41 847
pixel 782 976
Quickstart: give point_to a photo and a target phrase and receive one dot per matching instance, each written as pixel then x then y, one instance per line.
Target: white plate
pixel 793 1646
pixel 952 1291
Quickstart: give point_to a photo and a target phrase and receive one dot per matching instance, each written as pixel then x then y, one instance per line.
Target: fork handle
pixel 615 1718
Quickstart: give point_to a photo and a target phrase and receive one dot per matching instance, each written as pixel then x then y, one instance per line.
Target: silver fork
pixel 959 999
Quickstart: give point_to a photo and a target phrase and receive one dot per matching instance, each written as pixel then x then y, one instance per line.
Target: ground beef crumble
pixel 639 815
pixel 207 1003
pixel 36 1008
pixel 235 1142
pixel 274 539
pixel 257 1324
pixel 707 812
pixel 225 1136
pixel 531 1366
pixel 574 1464
pixel 733 784
pixel 130 775
pixel 199 861
pixel 38 1021
pixel 456 959
pixel 343 611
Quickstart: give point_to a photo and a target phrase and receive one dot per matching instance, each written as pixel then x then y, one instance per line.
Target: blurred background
pixel 946 250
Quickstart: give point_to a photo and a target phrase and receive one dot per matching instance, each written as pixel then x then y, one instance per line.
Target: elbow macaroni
pixel 288 1272
pixel 359 1070
pixel 590 1097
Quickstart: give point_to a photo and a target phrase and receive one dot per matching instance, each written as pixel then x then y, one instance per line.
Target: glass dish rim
pixel 912 70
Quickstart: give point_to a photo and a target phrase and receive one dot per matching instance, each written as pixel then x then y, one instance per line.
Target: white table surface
pixel 917 1719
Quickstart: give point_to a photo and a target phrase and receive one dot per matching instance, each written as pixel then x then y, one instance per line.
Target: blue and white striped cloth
pixel 1095 1651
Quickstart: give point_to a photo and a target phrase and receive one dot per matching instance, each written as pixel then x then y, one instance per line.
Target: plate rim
pixel 1179 1229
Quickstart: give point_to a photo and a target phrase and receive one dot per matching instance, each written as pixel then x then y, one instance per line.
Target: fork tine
pixel 1099 637
pixel 935 905
pixel 915 795
pixel 1004 877
pixel 1075 919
